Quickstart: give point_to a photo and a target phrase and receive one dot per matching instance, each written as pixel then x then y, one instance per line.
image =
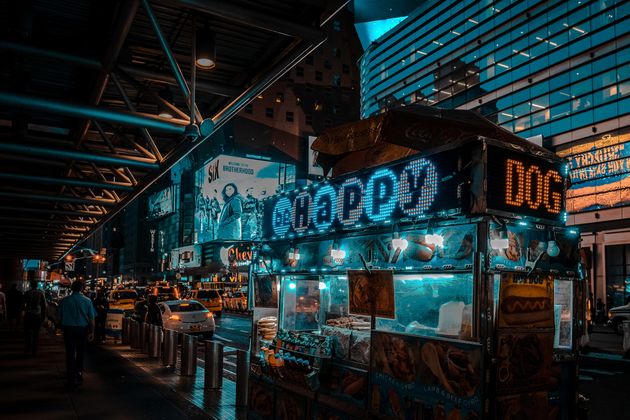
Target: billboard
pixel 229 191
pixel 599 169
pixel 186 257
pixel 161 203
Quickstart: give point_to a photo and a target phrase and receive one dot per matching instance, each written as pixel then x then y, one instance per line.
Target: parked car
pixel 617 315
pixel 187 316
pixel 211 299
pixel 123 299
pixel 165 293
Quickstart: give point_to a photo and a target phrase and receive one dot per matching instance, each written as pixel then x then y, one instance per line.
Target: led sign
pixel 409 190
pixel 524 185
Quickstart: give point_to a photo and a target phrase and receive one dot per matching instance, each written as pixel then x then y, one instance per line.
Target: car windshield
pixel 124 295
pixel 207 294
pixel 186 307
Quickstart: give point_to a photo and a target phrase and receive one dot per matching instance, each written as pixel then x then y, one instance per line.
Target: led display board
pixel 405 190
pixel 228 194
pixel 161 203
pixel 599 168
pixel 524 185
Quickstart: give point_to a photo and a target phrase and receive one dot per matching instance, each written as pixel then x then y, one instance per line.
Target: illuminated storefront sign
pixel 406 190
pixel 524 185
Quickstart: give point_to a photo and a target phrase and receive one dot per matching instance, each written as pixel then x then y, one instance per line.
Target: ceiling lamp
pixel 163 111
pixel 206 49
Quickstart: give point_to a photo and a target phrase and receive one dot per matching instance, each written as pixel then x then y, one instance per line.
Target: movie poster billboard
pixel 229 191
pixel 416 377
pixel 161 203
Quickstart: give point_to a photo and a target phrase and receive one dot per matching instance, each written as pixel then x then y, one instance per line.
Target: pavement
pixel 118 384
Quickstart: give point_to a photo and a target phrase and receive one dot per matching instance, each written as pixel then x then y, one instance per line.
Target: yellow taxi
pixel 211 299
pixel 124 299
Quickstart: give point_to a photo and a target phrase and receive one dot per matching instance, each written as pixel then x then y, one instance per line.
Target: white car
pixel 187 316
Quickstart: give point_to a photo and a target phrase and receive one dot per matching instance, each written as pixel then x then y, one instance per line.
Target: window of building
pixel 617 274
pixel 309 119
pixel 336 80
pixel 334 109
pixel 337 52
pixel 327 65
pixel 269 112
pixel 279 97
pixel 318 106
pixel 345 69
pixel 249 108
pixel 319 76
pixel 289 116
pixel 309 59
pixel 299 71
pixel 337 25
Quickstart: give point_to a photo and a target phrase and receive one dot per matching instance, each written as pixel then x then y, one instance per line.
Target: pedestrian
pixel 15 300
pixel 3 305
pixel 154 315
pixel 34 316
pixel 101 306
pixel 76 316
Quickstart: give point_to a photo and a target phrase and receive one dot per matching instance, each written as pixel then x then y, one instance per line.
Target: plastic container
pixel 450 319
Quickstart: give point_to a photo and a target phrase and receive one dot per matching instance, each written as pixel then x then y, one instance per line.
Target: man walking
pixel 34 315
pixel 101 305
pixel 76 316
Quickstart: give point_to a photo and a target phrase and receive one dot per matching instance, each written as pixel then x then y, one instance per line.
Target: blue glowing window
pixel 381 192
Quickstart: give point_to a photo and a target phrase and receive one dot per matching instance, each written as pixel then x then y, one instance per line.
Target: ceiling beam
pixel 58 198
pixel 30 222
pixel 77 155
pixel 51 211
pixel 250 17
pixel 23 49
pixel 7 228
pixel 50 106
pixel 65 181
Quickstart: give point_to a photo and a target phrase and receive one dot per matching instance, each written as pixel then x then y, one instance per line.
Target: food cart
pixel 439 286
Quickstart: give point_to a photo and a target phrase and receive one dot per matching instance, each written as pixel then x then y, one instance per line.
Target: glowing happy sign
pixel 407 190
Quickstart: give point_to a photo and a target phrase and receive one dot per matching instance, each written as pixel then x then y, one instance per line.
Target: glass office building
pixel 557 72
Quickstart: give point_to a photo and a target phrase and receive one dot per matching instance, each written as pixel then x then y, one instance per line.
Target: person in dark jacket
pixel 101 306
pixel 154 315
pixel 34 315
pixel 15 301
pixel 230 218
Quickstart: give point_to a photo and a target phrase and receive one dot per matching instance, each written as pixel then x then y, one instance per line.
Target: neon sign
pixel 524 185
pixel 406 190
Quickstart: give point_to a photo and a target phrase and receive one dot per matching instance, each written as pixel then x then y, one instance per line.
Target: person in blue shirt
pixel 76 316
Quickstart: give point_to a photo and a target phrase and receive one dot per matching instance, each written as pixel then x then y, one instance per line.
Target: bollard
pixel 135 334
pixel 626 336
pixel 242 377
pixel 125 330
pixel 155 341
pixel 146 328
pixel 213 378
pixel 169 348
pixel 189 355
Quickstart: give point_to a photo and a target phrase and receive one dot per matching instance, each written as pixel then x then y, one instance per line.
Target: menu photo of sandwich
pixel 526 301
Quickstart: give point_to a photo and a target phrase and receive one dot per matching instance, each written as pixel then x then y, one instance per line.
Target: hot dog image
pixel 522 305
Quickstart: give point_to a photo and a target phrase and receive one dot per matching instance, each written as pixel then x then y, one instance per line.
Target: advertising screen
pixel 524 185
pixel 162 203
pixel 599 169
pixel 228 194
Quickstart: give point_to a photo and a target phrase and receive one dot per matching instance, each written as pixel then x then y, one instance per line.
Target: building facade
pixel 556 72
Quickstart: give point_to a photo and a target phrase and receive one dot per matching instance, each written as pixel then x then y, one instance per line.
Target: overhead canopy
pixel 401 132
pixel 81 83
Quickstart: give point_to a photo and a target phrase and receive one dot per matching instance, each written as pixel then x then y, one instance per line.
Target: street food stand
pixel 439 286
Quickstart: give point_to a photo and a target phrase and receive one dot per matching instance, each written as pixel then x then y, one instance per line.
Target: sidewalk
pixel 34 388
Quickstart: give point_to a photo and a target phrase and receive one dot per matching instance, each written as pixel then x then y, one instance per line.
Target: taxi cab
pixel 123 299
pixel 165 292
pixel 211 299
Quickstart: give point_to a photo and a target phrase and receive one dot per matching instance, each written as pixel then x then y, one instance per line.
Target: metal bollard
pixel 189 355
pixel 213 378
pixel 155 341
pixel 169 349
pixel 125 330
pixel 135 334
pixel 242 377
pixel 146 328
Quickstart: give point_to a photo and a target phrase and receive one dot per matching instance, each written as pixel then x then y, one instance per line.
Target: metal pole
pixel 76 155
pixel 242 377
pixel 213 378
pixel 169 350
pixel 189 355
pixel 146 330
pixel 177 72
pixel 155 341
pixel 90 112
pixel 125 330
pixel 135 334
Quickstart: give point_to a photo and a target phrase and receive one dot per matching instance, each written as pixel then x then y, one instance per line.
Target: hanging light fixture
pixel 167 95
pixel 206 48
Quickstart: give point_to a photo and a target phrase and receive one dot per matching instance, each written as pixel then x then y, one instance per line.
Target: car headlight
pixel 609 314
pixel 174 317
pixel 209 315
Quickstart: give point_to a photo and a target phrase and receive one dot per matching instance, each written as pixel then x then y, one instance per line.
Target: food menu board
pixel 414 377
